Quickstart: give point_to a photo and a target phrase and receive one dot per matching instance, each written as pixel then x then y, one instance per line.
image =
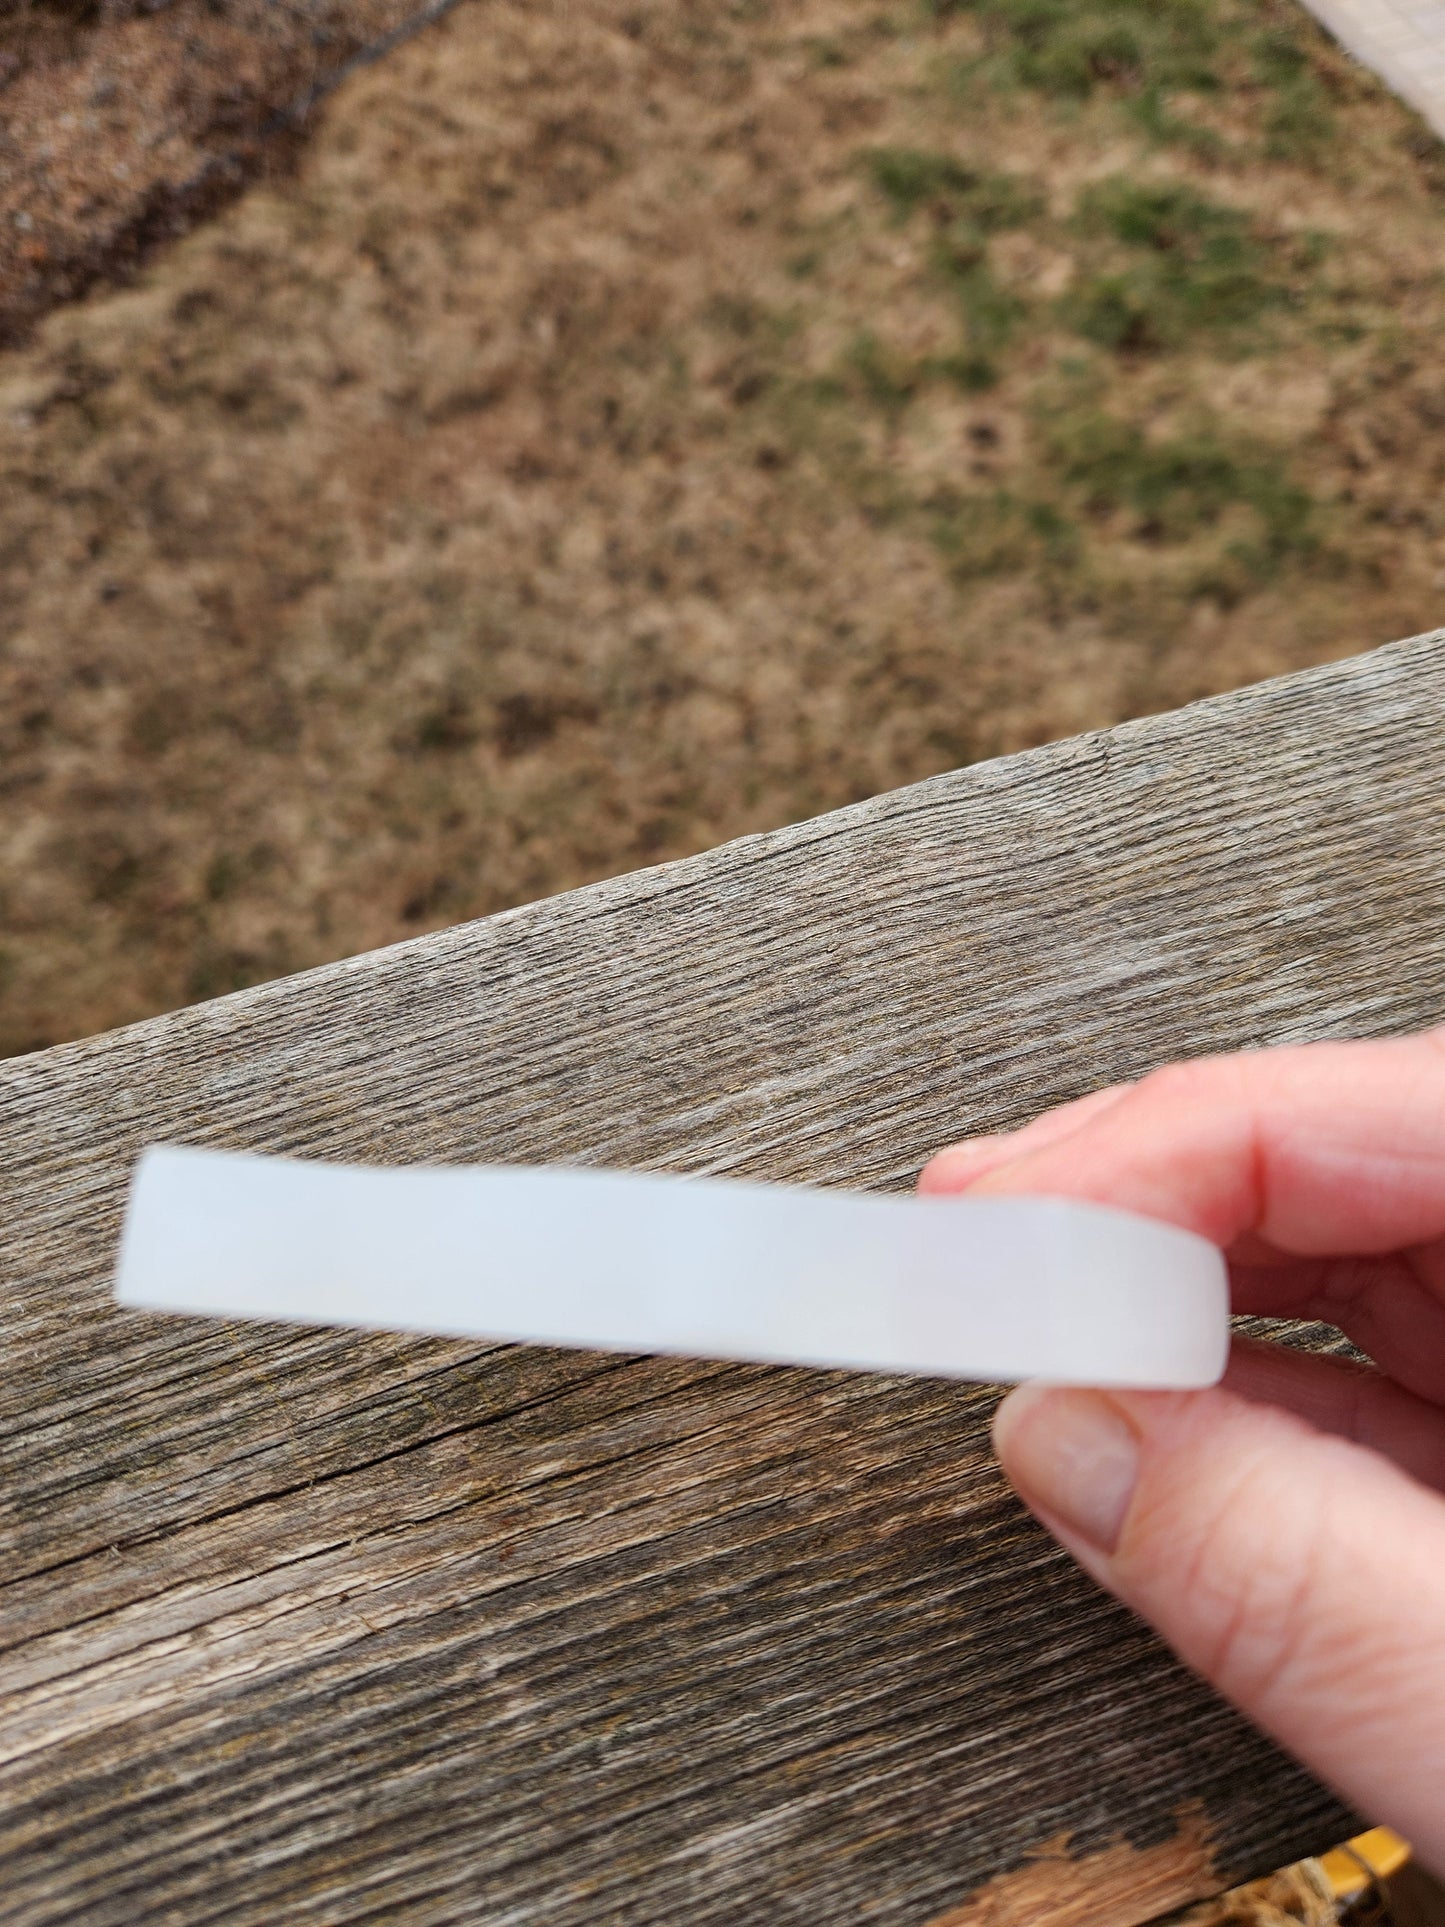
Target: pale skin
pixel 1285 1532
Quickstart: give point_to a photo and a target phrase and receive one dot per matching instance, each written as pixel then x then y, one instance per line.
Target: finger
pixel 952 1168
pixel 1320 1149
pixel 959 1165
pixel 1301 1574
pixel 1392 1307
pixel 1351 1400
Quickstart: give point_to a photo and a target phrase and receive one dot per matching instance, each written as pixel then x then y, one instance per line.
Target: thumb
pixel 1299 1573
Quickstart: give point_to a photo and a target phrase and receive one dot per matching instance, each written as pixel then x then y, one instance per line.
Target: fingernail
pixel 1072 1454
pixel 948 1170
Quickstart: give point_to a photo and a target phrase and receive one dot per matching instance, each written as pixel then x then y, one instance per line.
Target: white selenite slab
pixel 990 1289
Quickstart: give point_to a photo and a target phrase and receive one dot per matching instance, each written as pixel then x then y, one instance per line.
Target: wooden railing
pixel 302 1625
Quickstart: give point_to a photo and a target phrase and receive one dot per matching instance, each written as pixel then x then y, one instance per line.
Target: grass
pixel 1159 262
pixel 1100 481
pixel 921 384
pixel 980 199
pixel 1177 486
pixel 1070 51
pixel 1003 532
pixel 963 206
pixel 1158 61
pixel 1298 122
pixel 1165 274
pixel 1185 263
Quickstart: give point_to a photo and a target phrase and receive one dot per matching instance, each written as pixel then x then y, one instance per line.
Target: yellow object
pixel 1369 1857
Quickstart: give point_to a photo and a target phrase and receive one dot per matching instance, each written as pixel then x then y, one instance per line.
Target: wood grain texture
pixel 330 1627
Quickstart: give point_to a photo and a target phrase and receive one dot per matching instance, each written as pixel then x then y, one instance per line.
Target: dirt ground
pixel 638 422
pixel 124 122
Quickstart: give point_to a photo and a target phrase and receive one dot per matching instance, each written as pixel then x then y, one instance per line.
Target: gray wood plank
pixel 324 1626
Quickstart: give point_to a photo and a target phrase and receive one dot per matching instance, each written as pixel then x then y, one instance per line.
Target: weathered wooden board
pixel 301 1625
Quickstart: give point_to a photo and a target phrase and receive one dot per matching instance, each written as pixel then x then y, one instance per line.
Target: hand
pixel 1285 1533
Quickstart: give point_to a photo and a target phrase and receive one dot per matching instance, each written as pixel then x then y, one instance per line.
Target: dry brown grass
pixel 589 455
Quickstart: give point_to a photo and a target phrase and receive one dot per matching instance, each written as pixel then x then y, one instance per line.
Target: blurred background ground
pixel 619 427
pixel 123 122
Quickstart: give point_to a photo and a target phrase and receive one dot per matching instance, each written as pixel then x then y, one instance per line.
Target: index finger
pixel 1321 1169
pixel 1316 1151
